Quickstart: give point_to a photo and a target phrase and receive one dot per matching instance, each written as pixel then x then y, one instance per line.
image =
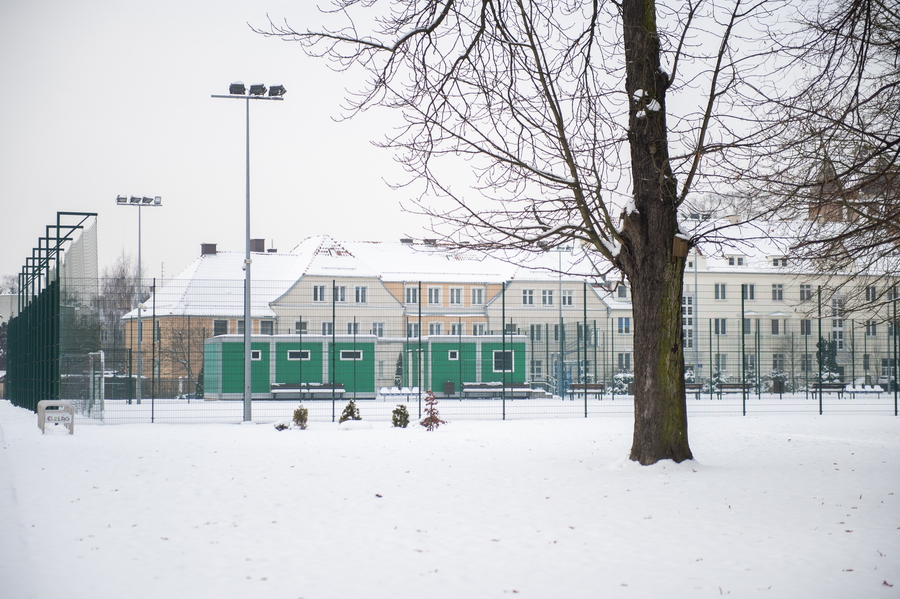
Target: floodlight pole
pixel 238 94
pixel 139 202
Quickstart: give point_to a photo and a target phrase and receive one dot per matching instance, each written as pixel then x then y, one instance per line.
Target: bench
pixel 307 390
pixel 495 390
pixel 830 388
pixel 694 388
pixel 595 389
pixel 393 393
pixel 732 388
pixel 864 390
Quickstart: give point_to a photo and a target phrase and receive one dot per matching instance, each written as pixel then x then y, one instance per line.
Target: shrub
pixel 432 419
pixel 281 425
pixel 351 412
pixel 400 416
pixel 301 415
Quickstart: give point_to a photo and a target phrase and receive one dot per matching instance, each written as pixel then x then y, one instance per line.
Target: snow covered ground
pixel 775 505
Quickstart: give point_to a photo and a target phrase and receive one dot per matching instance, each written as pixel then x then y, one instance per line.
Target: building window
pixel 412 329
pixel 688 338
pixel 503 361
pixel 720 291
pixel 624 325
pixel 453 355
pixel 806 327
pixel 777 329
pixel 267 327
pixel 297 354
pixel 435 328
pixel 327 328
pixel 378 329
pixel 719 326
pixel 687 311
pixel 477 296
pixel 537 368
pixel 779 262
pixel 837 307
pixel 871 293
pixel 318 293
pixel 749 363
pixel 351 355
pixel 892 293
pixel 511 329
pixel 240 327
pixel 806 363
pixel 535 332
pixel 340 294
pixel 805 292
pixel 457 328
pixel 867 362
pixel 735 260
pixel 353 328
pixel 748 291
pixel 721 362
pixel 412 295
pixel 887 367
pixel 622 292
pixel 220 327
pixel 547 297
pixel 777 292
pixel 778 362
pixel 527 297
pixel 478 328
pixel 624 362
pixel 300 327
pixel 361 295
pixel 748 326
pixel 568 297
pixel 838 338
pixel 255 355
pixel 434 296
pixel 871 328
pixel 456 296
pixel 556 332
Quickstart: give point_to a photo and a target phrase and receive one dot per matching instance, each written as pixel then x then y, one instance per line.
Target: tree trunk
pixel 647 257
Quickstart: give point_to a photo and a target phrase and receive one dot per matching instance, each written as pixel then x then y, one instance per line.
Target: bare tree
pixel 560 112
pixel 118 287
pixel 836 158
pixel 9 284
pixel 182 342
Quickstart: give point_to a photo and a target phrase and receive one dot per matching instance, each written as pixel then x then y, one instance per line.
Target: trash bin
pixel 449 388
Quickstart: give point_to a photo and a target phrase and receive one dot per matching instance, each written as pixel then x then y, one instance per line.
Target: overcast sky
pixel 105 97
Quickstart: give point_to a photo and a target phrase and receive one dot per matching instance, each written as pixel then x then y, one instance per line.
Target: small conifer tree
pixel 351 412
pixel 301 416
pixel 400 416
pixel 432 418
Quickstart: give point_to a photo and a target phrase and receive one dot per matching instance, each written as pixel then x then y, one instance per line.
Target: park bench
pixel 694 388
pixel 830 388
pixel 864 390
pixel 497 390
pixel 307 390
pixel 394 393
pixel 595 389
pixel 732 388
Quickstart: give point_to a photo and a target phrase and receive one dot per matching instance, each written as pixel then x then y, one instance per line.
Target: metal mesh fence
pixel 518 349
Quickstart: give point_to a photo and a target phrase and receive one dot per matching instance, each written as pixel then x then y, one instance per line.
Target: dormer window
pixel 735 260
pixel 779 262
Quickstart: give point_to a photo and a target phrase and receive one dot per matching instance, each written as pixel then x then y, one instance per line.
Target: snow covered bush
pixel 621 382
pixel 301 416
pixel 281 425
pixel 432 418
pixel 351 412
pixel 400 416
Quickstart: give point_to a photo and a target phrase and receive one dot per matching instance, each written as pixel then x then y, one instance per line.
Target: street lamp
pixel 237 91
pixel 140 202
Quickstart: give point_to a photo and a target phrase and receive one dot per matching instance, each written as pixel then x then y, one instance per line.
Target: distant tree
pixel 9 284
pixel 118 296
pixel 4 329
pixel 432 418
pixel 181 341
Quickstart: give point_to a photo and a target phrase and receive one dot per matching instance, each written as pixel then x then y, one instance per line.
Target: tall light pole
pixel 237 91
pixel 140 203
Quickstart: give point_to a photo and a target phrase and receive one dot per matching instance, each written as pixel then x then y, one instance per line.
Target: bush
pixel 301 415
pixel 281 425
pixel 351 412
pixel 400 416
pixel 432 419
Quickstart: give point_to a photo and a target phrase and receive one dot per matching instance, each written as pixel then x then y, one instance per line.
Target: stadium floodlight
pixel 145 201
pixel 276 91
pixel 258 90
pixel 121 200
pixel 237 88
pixel 135 200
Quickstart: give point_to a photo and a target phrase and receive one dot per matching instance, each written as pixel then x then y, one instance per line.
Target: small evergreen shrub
pixel 281 425
pixel 351 412
pixel 432 418
pixel 301 415
pixel 400 416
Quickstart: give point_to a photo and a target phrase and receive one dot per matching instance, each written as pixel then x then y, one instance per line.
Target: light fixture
pixel 258 90
pixel 135 200
pixel 237 88
pixel 146 201
pixel 277 90
pixel 121 199
pixel 157 201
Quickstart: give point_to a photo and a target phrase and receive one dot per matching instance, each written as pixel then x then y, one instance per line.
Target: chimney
pixel 272 250
pixel 207 249
pixel 258 245
pixel 406 241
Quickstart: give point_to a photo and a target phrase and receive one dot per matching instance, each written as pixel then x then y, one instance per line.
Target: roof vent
pixel 258 245
pixel 207 249
pixel 272 250
pixel 430 241
pixel 406 240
